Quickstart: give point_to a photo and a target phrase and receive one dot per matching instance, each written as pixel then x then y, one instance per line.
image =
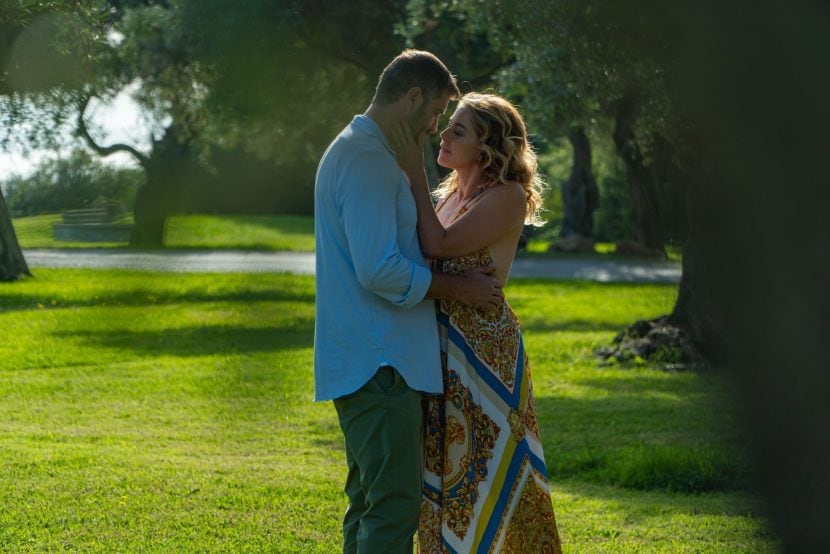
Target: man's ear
pixel 413 99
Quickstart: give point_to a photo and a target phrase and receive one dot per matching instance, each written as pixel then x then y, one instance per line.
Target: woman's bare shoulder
pixel 516 188
pixel 504 200
pixel 511 192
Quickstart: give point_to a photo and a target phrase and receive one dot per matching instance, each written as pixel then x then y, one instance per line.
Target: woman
pixel 485 481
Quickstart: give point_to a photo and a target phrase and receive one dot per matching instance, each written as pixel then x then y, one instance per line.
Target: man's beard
pixel 416 121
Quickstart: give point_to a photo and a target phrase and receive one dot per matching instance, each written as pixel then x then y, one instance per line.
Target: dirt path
pixel 240 261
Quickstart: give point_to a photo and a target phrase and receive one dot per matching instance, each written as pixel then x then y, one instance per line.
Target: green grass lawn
pixel 294 233
pixel 172 413
pixel 250 232
pixel 36 232
pixel 273 232
pixel 540 247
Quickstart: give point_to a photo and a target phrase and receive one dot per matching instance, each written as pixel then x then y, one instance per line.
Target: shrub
pixel 615 219
pixel 77 181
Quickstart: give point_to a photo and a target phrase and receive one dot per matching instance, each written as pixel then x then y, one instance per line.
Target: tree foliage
pixel 280 78
pixel 47 49
pixel 582 68
pixel 445 30
pixel 275 79
pixel 568 61
pixel 730 100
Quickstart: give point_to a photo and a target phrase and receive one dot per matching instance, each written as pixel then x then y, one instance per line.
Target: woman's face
pixel 459 141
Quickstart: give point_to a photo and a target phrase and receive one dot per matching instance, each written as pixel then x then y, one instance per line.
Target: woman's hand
pixel 409 150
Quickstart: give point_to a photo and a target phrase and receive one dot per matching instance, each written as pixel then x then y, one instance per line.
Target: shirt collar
pixel 370 127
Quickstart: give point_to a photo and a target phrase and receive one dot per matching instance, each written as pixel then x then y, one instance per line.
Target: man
pixel 376 343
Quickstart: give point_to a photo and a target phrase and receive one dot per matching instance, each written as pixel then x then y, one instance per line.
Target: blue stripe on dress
pixel 522 451
pixel 447 545
pixel 432 489
pixel 511 399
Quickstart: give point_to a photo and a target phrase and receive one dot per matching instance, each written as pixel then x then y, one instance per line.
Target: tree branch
pixel 104 151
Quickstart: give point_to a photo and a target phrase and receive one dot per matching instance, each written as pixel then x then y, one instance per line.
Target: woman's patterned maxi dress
pixel 485 481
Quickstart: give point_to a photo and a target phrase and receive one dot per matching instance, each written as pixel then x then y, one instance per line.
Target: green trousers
pixel 383 428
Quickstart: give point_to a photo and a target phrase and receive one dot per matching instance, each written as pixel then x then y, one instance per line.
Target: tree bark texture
pixel 167 168
pixel 696 310
pixel 580 195
pixel 672 183
pixel 149 226
pixel 644 190
pixel 12 263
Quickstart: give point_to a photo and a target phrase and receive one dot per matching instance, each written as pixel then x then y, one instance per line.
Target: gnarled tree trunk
pixel 165 168
pixel 696 311
pixel 644 189
pixel 149 220
pixel 12 263
pixel 580 196
pixel 676 200
pixel 756 87
pixel 696 326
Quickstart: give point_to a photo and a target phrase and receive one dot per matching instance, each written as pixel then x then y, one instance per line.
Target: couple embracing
pixel 414 341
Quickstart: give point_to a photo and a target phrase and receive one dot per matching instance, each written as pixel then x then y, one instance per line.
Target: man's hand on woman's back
pixel 477 287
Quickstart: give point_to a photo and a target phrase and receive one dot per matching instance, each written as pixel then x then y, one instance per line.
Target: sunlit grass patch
pixel 36 232
pixel 294 233
pixel 246 232
pixel 173 413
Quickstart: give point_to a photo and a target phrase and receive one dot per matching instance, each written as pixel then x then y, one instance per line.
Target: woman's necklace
pixel 466 205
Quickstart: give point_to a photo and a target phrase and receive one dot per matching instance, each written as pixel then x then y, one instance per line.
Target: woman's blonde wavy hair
pixel 505 154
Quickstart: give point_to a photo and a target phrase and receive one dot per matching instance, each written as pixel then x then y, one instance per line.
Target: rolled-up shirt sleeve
pixel 368 191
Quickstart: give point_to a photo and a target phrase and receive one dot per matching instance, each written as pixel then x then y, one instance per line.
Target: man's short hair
pixel 415 68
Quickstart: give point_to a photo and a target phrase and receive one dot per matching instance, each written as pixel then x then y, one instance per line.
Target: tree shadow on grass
pixel 636 383
pixel 653 509
pixel 283 224
pixel 584 284
pixel 200 340
pixel 648 435
pixel 541 325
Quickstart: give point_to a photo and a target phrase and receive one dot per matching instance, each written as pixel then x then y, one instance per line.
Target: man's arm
pixel 477 288
pixel 368 212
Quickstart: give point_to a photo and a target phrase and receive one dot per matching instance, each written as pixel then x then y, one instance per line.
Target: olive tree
pixel 47 50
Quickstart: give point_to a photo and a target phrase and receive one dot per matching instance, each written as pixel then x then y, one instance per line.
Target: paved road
pixel 240 261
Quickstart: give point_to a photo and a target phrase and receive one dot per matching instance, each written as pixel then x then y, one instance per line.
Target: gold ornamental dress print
pixel 485 481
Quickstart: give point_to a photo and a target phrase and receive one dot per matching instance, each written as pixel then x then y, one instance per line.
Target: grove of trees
pixel 259 80
pixel 717 112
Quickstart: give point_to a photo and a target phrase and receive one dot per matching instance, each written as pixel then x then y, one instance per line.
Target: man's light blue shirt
pixel 371 275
